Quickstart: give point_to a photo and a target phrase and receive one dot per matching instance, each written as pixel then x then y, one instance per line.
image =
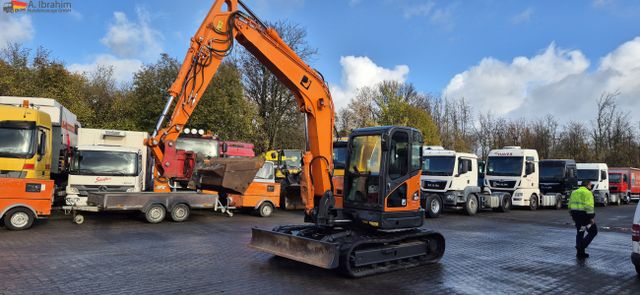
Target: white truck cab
pixel 598 174
pixel 515 171
pixel 450 179
pixel 107 161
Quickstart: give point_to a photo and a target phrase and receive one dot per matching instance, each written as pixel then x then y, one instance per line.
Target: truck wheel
pixel 606 201
pixel 558 202
pixel 155 213
pixel 18 219
pixel 505 204
pixel 78 219
pixel 471 206
pixel 627 199
pixel 533 203
pixel 433 206
pixel 180 213
pixel 618 200
pixel 265 210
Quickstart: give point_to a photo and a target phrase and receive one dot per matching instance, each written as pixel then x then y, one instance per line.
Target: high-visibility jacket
pixel 582 200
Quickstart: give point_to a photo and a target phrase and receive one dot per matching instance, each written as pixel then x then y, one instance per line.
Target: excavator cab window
pixel 364 170
pixel 399 155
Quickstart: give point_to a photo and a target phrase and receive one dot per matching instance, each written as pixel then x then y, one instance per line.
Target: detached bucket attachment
pixel 228 175
pixel 309 251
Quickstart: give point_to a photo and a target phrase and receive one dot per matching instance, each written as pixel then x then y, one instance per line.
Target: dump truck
pixel 108 161
pixel 624 182
pixel 25 165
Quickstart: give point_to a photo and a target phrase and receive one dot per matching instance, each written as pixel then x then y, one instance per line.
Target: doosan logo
pixel 102 179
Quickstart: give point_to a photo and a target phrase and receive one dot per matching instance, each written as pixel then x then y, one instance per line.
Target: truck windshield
pixel 203 147
pixel 615 177
pixel 551 170
pixel 18 139
pixel 504 166
pixel 438 165
pixel 339 155
pixel 588 174
pixel 105 163
pixel 292 158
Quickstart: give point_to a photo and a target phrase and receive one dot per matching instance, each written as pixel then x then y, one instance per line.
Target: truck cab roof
pixel 107 148
pixel 594 166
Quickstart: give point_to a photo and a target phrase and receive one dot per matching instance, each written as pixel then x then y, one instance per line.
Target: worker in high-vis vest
pixel 581 206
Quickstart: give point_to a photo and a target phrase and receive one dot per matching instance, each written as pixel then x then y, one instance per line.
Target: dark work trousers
pixel 580 218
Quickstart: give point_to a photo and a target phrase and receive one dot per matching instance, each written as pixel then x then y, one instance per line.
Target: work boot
pixel 581 254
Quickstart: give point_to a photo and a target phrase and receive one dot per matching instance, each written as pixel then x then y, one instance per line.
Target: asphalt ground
pixel 520 252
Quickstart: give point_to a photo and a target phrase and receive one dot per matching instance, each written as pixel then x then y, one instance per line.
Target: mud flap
pixel 309 251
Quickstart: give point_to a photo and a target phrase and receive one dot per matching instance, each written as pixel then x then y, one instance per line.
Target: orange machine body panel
pixel 35 194
pixel 256 194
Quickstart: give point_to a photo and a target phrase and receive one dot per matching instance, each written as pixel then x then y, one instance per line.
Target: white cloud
pixel 442 16
pixel 354 3
pixel 360 71
pixel 423 9
pixel 123 69
pixel 132 39
pixel 522 17
pixel 556 82
pixel 15 28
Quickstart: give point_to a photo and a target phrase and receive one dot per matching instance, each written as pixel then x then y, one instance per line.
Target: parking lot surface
pixel 519 252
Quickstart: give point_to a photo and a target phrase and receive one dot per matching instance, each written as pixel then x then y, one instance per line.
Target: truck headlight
pixel 72 190
pixel 518 194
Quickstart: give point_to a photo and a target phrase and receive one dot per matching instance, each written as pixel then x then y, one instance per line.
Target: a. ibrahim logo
pixel 36 6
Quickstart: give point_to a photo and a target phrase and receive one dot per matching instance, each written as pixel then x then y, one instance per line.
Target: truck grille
pixel 86 189
pixel 501 184
pixel 434 184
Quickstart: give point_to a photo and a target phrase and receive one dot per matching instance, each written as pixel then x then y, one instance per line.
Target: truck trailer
pixel 598 174
pixel 624 182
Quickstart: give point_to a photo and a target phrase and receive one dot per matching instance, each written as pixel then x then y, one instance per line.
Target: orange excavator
pixel 378 226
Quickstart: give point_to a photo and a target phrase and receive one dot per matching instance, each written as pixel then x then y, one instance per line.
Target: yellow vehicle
pixel 288 167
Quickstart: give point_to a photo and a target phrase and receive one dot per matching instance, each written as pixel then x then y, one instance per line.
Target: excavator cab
pixel 382 178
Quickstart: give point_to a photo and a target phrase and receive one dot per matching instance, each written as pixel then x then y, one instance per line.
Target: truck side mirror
pixel 42 145
pixel 529 168
pixel 603 175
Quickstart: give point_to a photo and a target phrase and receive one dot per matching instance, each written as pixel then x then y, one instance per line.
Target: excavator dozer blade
pixel 309 251
pixel 229 175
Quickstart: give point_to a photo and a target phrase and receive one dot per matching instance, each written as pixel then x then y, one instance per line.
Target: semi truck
pixel 558 176
pixel 25 165
pixel 108 161
pixel 450 179
pixel 515 171
pixel 598 174
pixel 624 182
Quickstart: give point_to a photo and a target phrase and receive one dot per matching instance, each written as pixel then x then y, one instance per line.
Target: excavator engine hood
pixel 227 175
pixel 287 245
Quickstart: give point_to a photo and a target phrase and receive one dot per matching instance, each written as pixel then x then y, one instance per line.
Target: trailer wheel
pixel 18 219
pixel 265 210
pixel 180 213
pixel 505 203
pixel 533 203
pixel 471 206
pixel 78 219
pixel 155 213
pixel 433 204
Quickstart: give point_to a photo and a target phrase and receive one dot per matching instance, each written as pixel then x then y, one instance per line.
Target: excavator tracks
pixel 356 252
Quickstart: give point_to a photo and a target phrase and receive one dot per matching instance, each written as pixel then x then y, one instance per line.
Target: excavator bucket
pixel 228 175
pixel 309 251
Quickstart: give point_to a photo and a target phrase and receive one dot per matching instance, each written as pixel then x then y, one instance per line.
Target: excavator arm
pixel 225 24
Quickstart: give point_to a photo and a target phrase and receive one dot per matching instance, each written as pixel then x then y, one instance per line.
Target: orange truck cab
pixel 262 195
pixel 25 166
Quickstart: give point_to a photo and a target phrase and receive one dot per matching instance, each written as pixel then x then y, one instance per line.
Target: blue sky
pixel 455 48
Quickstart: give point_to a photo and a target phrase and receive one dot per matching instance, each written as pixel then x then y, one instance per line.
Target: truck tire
pixel 18 219
pixel 618 200
pixel 265 209
pixel 558 205
pixel 627 199
pixel 180 213
pixel 471 206
pixel 505 204
pixel 533 203
pixel 433 205
pixel 606 201
pixel 155 213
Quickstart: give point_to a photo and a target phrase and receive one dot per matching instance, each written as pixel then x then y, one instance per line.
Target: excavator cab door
pixel 382 179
